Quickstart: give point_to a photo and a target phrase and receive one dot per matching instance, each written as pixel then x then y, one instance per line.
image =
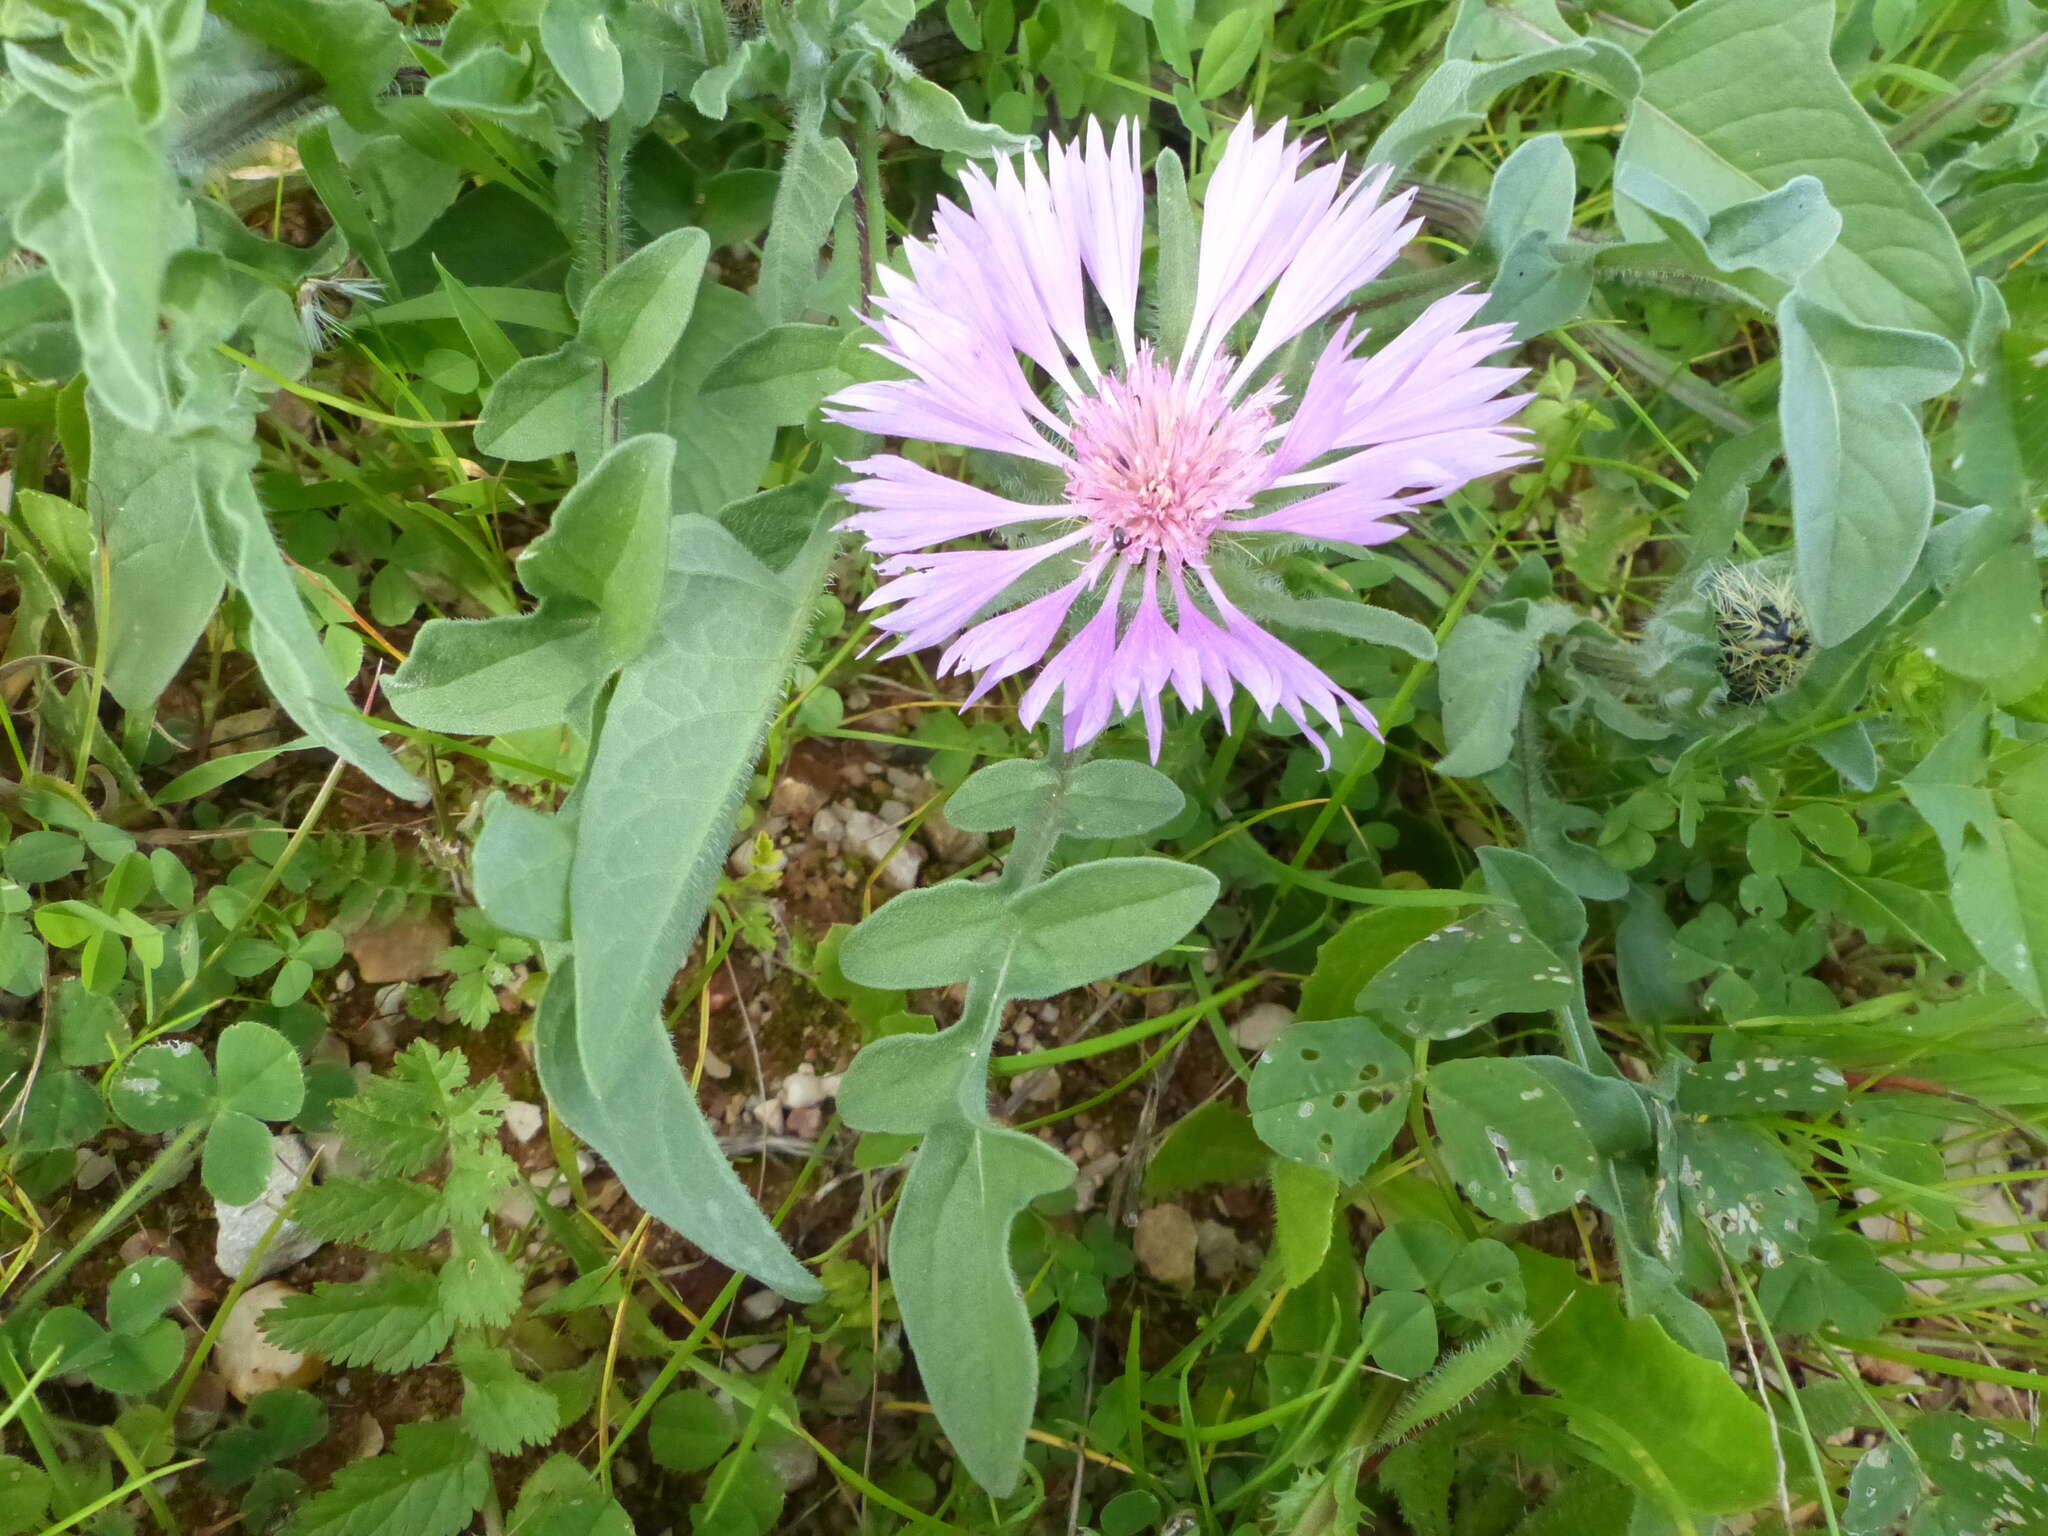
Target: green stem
pixel 869 209
pixel 1023 867
pixel 1922 124
pixel 104 583
pixel 1321 1516
pixel 682 1355
pixel 263 890
pixel 1373 754
pixel 1117 1039
pixel 38 1429
pixel 167 1164
pixel 604 249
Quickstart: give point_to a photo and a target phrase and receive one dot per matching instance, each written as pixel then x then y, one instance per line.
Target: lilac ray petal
pixel 1226 664
pixel 908 408
pixel 962 375
pixel 1349 513
pixel 1445 403
pixel 1105 191
pixel 941 593
pixel 946 328
pixel 908 507
pixel 1436 345
pixel 1035 257
pixel 1144 664
pixel 1081 674
pixel 1255 219
pixel 1347 249
pixel 1005 645
pixel 1430 467
pixel 988 257
pixel 1292 679
pixel 1319 419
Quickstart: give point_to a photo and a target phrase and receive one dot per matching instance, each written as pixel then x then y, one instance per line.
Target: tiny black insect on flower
pixel 1119 540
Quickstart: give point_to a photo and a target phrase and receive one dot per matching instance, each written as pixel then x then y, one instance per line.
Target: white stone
pixel 1258 1027
pixel 91 1169
pixel 873 839
pixel 793 1461
pixel 1166 1242
pixel 1042 1086
pixel 948 841
pixel 249 1363
pixel 516 1210
pixel 795 798
pixel 334 1158
pixel 1221 1252
pixel 803 1089
pixel 241 1227
pixel 524 1120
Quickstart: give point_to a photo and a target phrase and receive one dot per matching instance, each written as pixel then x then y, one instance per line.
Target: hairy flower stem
pixel 1321 1517
pixel 1023 867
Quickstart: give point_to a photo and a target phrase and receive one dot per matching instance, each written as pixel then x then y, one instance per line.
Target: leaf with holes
pixel 1762 1085
pixel 1988 1479
pixel 1740 1185
pixel 1466 975
pixel 1511 1138
pixel 1357 952
pixel 1331 1093
pixel 1484 1282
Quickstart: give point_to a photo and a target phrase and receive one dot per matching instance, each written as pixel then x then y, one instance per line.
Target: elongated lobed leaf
pixel 656 1139
pixel 1741 96
pixel 280 630
pixel 163 581
pixel 1862 488
pixel 655 812
pixel 949 1255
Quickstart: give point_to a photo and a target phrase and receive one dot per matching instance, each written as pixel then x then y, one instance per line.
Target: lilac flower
pixel 1168 465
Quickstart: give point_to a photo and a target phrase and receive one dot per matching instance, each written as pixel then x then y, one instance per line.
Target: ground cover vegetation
pixel 1476 972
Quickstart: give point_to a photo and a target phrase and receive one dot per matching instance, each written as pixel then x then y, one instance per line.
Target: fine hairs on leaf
pixel 962 1308
pixel 1460 1378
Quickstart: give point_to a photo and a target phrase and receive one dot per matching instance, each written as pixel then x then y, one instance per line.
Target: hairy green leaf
pixel 1862 491
pixel 1677 1426
pixel 949 1255
pixel 430 1483
pixel 638 310
pixel 598 573
pixel 393 1322
pixel 280 630
pixel 1331 1093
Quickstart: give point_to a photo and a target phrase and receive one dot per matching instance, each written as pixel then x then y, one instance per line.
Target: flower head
pixel 1167 464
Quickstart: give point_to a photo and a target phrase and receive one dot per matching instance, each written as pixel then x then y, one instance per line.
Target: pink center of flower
pixel 1160 462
